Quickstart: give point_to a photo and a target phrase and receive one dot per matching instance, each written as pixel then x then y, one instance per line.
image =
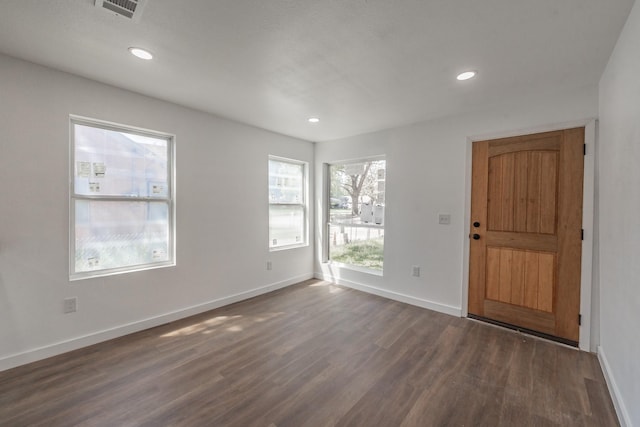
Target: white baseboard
pixel 618 402
pixel 55 349
pixel 435 306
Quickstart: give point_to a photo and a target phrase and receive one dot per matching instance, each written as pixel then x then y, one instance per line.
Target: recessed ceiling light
pixel 466 75
pixel 314 120
pixel 140 53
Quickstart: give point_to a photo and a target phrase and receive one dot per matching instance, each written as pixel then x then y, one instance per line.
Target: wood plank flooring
pixel 314 355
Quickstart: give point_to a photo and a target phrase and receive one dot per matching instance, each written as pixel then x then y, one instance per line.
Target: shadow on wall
pixel 9 336
pixel 12 340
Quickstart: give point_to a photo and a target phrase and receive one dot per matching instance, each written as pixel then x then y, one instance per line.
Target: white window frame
pixel 169 199
pixel 304 204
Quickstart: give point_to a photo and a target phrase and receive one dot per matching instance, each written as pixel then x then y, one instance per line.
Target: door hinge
pixel 584 149
pixel 579 319
pixel 582 234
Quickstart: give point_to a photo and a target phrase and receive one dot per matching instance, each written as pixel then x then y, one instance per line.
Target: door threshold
pixel 525 330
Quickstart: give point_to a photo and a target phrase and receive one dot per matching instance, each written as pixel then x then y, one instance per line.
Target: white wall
pixel 619 210
pixel 222 231
pixel 428 167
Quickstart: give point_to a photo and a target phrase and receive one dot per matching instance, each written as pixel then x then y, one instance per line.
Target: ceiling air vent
pixel 131 9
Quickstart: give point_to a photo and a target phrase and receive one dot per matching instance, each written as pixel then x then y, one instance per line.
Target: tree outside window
pixel 356 213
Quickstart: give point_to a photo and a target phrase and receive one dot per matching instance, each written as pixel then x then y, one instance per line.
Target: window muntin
pixel 122 213
pixel 287 203
pixel 356 209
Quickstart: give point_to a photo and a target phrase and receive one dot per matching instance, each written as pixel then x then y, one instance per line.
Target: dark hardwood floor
pixel 313 354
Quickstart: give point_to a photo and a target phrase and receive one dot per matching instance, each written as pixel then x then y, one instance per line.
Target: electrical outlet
pixel 444 219
pixel 70 305
pixel 415 271
pixel 269 265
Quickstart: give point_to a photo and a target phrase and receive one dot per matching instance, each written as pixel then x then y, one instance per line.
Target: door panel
pixel 527 204
pixel 521 197
pixel 519 277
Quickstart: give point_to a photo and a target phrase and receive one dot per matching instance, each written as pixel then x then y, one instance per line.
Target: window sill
pixel 114 271
pixel 284 248
pixel 357 268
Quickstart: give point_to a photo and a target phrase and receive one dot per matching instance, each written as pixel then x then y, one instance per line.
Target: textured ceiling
pixel 359 65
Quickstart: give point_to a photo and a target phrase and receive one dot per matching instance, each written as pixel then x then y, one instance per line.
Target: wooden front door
pixel 526 232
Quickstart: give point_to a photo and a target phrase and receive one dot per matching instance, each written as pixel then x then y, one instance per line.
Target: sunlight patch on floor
pixel 200 327
pixel 237 323
pixel 333 289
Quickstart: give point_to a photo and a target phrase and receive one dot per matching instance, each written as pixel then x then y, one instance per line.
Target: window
pixel 122 210
pixel 356 213
pixel 287 203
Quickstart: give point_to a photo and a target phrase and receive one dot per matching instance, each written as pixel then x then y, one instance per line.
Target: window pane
pixel 113 234
pixel 356 213
pixel 286 182
pixel 286 225
pixel 115 163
